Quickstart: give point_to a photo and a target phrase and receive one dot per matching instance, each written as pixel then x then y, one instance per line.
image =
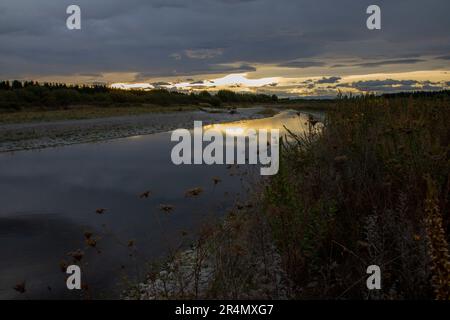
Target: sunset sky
pixel 286 47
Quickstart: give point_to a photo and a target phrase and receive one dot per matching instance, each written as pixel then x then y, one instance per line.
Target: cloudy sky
pixel 286 47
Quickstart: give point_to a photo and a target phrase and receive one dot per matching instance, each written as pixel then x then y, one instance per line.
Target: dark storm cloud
pixel 380 63
pixel 388 62
pixel 387 82
pixel 184 37
pixel 391 85
pixel 169 4
pixel 160 84
pixel 328 80
pixel 310 83
pixel 301 64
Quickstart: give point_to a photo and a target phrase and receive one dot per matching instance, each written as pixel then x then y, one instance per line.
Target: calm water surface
pixel 49 199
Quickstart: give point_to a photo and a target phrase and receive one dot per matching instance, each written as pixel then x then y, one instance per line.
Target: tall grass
pixel 371 188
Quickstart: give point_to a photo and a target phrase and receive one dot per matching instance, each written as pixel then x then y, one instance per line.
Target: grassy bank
pixel 371 188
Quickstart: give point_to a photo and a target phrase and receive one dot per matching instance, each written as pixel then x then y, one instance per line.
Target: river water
pixel 49 200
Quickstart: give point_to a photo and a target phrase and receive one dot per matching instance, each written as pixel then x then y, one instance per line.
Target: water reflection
pixel 290 119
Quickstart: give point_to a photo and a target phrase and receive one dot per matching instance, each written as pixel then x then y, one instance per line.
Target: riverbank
pixel 43 134
pixel 372 188
pixel 85 112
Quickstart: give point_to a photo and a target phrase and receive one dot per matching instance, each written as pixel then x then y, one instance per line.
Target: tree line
pixel 23 95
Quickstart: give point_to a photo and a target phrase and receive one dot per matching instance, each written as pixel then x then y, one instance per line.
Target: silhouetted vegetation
pixel 29 95
pixel 371 188
pixel 444 94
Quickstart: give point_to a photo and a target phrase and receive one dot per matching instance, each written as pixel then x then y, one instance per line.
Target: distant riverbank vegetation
pixel 28 95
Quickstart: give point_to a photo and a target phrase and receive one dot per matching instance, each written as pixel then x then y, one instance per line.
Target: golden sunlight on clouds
pixel 231 80
pixel 328 85
pixel 237 81
pixel 125 86
pixel 425 75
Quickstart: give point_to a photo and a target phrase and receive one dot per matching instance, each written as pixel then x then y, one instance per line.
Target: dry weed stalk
pixel 437 244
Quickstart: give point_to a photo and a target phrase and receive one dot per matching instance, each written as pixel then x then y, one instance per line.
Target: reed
pixel 356 194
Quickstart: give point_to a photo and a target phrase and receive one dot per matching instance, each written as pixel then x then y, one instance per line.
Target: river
pixel 50 199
